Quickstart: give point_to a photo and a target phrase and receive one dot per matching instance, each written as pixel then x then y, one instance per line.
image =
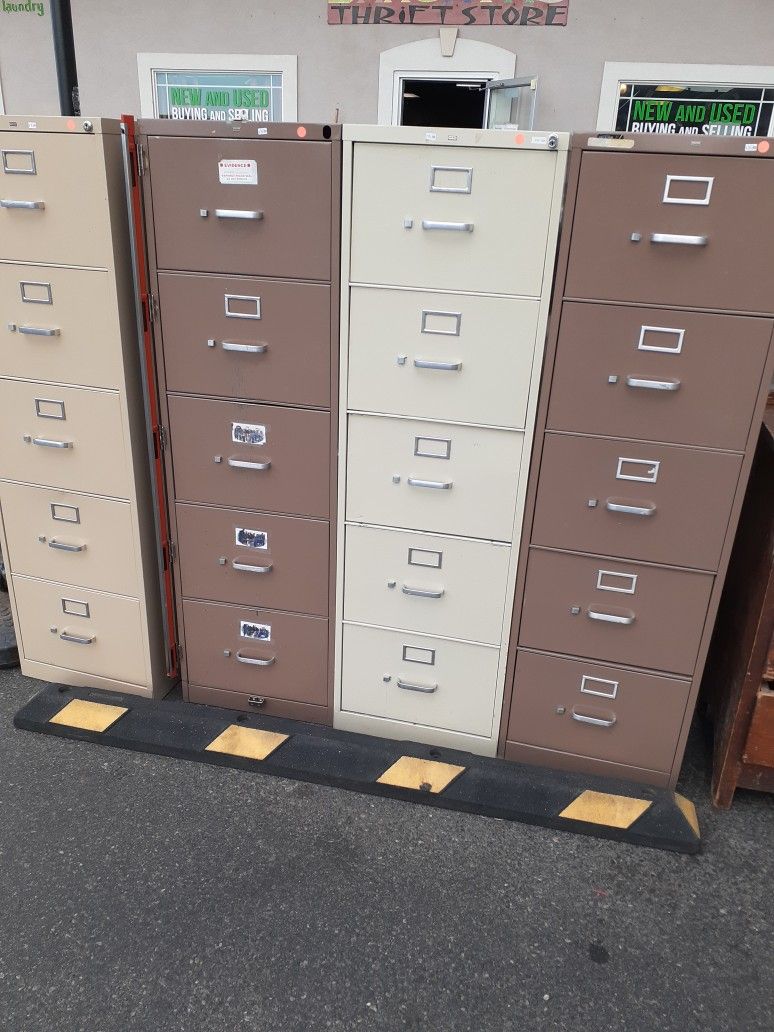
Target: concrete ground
pixel 144 893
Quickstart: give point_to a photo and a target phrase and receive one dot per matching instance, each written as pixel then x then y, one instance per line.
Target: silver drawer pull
pixel 250 661
pixel 427 363
pixel 244 464
pixel 653 385
pixel 410 686
pixel 594 614
pixel 47 442
pixel 423 592
pixel 27 205
pixel 678 238
pixel 40 331
pixel 62 546
pixel 248 349
pixel 251 569
pixel 439 485
pixel 231 213
pixel 78 639
pixel 596 721
pixel 458 227
pixel 630 510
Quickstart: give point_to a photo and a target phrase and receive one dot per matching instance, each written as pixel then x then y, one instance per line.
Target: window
pixel 218 87
pixel 709 100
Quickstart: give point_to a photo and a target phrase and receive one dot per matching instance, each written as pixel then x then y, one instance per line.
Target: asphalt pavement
pixel 145 893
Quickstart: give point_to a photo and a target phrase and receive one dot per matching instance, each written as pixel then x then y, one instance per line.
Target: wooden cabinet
pixel 447 264
pixel 645 437
pixel 243 238
pixel 77 529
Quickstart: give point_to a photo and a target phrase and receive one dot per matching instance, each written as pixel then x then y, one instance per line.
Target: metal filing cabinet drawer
pixel 658 502
pixel 257 652
pixel 59 325
pixel 646 616
pixel 75 538
pixel 67 437
pixel 44 178
pixel 637 372
pixel 80 629
pixel 251 456
pixel 420 680
pixel 607 713
pixel 276 222
pixel 440 356
pixel 695 231
pixel 276 562
pixel 265 340
pixel 426 583
pixel 450 479
pixel 441 217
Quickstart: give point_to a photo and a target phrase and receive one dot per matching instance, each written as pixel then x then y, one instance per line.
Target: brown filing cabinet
pixel 448 256
pixel 242 230
pixel 655 381
pixel 75 490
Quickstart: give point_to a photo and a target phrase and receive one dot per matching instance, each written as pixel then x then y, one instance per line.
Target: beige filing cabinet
pixel 448 251
pixel 77 527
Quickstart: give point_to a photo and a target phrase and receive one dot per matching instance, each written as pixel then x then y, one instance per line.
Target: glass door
pixel 510 103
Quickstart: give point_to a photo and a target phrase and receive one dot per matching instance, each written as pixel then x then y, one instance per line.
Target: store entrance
pixel 453 103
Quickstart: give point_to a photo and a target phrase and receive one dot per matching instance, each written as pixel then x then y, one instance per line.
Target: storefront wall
pixel 338 66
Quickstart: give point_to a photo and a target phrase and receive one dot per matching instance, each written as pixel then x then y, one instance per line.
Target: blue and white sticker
pixel 255 631
pixel 248 433
pixel 247 538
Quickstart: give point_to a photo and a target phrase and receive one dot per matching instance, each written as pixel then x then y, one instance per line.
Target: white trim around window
pixel 686 74
pixel 285 65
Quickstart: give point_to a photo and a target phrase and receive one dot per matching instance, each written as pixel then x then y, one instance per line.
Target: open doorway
pixel 458 104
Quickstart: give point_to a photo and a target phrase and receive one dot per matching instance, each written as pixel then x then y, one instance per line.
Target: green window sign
pixel 219 96
pixel 695 110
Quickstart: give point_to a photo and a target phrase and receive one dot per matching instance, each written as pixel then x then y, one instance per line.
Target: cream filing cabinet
pixel 77 528
pixel 447 262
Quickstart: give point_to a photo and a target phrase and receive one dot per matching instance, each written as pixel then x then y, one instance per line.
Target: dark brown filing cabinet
pixel 242 222
pixel 654 385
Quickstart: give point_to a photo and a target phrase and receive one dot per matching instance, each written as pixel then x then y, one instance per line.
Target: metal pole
pixel 64 54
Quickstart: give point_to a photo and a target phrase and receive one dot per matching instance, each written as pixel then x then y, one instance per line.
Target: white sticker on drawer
pixel 256 631
pixel 251 538
pixel 248 433
pixel 238 172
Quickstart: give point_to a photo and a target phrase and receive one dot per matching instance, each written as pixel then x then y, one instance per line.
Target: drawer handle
pixel 630 510
pixel 410 686
pixel 251 569
pixel 78 639
pixel 596 721
pixel 594 614
pixel 62 546
pixel 248 349
pixel 232 213
pixel 423 592
pixel 47 442
pixel 250 661
pixel 653 385
pixel 27 205
pixel 244 464
pixel 439 485
pixel 457 227
pixel 679 238
pixel 427 363
pixel 39 331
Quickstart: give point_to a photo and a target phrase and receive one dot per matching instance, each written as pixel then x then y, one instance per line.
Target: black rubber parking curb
pixel 602 807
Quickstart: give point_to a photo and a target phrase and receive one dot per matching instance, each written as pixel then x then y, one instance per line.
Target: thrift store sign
pixel 447 12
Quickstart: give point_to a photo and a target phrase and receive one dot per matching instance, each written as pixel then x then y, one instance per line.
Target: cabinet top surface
pixel 72 125
pixel 449 137
pixel 238 130
pixel 672 143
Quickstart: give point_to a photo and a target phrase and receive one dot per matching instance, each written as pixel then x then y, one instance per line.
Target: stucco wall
pixel 338 66
pixel 27 70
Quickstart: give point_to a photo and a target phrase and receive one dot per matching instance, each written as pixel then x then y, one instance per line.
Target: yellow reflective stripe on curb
pixel 614 811
pixel 248 742
pixel 421 775
pixel 689 812
pixel 88 716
